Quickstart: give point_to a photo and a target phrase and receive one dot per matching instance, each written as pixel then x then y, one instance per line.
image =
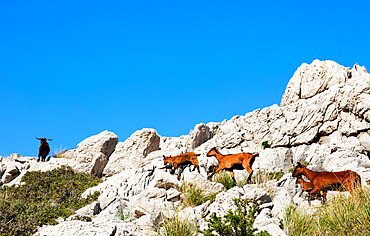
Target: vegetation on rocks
pixel 224 177
pixel 176 226
pixel 265 144
pixel 194 195
pixel 265 176
pixel 235 223
pixel 41 198
pixel 343 215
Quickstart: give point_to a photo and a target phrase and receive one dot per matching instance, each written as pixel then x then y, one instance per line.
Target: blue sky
pixel 71 69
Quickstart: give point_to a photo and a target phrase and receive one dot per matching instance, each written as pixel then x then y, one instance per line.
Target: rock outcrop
pixel 131 153
pixel 323 119
pixel 92 154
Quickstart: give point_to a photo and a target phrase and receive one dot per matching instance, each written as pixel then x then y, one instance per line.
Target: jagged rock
pixel 130 153
pixel 92 154
pixel 256 194
pixel 201 182
pixel 11 172
pixel 164 180
pixel 275 159
pixel 324 120
pixel 198 136
pixel 310 80
pixel 225 201
pixel 266 221
pixel 173 194
pixel 14 156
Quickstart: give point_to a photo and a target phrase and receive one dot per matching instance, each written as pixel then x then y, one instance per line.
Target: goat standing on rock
pixel 234 161
pixel 44 149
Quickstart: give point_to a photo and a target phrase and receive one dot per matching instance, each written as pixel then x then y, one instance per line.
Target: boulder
pixel 198 136
pixel 131 153
pixel 10 173
pixel 92 154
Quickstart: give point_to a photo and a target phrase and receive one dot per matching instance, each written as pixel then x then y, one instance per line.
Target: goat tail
pixel 253 159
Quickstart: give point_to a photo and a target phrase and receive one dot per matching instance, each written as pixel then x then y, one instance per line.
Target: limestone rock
pixel 198 136
pixel 92 154
pixel 132 152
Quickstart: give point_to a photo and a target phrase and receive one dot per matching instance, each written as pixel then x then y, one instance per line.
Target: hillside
pixel 323 120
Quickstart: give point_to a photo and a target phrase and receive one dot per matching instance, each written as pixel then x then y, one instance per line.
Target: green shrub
pixel 42 198
pixel 224 177
pixel 176 226
pixel 235 223
pixel 265 144
pixel 195 196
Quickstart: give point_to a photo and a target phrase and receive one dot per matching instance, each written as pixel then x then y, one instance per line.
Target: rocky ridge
pixel 323 119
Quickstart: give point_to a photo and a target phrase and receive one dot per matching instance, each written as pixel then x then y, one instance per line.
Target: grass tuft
pixel 342 215
pixel 299 223
pixel 176 226
pixel 194 195
pixel 224 177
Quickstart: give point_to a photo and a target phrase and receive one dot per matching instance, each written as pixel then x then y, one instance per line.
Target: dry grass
pixel 224 177
pixel 342 215
pixel 263 178
pixel 192 195
pixel 176 225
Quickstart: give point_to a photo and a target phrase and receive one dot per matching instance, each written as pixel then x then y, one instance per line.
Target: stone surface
pixel 323 120
pixel 92 154
pixel 130 153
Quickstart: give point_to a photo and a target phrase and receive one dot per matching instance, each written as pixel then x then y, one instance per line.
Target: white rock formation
pixel 92 154
pixel 323 119
pixel 132 152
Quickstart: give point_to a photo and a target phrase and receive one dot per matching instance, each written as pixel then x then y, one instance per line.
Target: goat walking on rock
pixel 44 149
pixel 182 159
pixel 234 161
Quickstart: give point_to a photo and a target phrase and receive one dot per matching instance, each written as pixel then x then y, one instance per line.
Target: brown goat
pixel 327 180
pixel 230 162
pixel 44 149
pixel 182 159
pixel 308 186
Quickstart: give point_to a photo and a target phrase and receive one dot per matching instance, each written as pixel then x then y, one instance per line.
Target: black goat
pixel 44 149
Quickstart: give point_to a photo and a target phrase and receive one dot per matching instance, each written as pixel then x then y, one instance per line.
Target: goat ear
pixel 299 164
pixel 38 138
pixel 49 139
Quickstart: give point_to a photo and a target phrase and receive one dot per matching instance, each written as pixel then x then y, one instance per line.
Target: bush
pixel 42 198
pixel 265 144
pixel 176 226
pixel 195 196
pixel 224 177
pixel 235 223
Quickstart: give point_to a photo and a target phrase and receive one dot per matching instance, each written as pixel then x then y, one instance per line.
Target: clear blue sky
pixel 71 69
